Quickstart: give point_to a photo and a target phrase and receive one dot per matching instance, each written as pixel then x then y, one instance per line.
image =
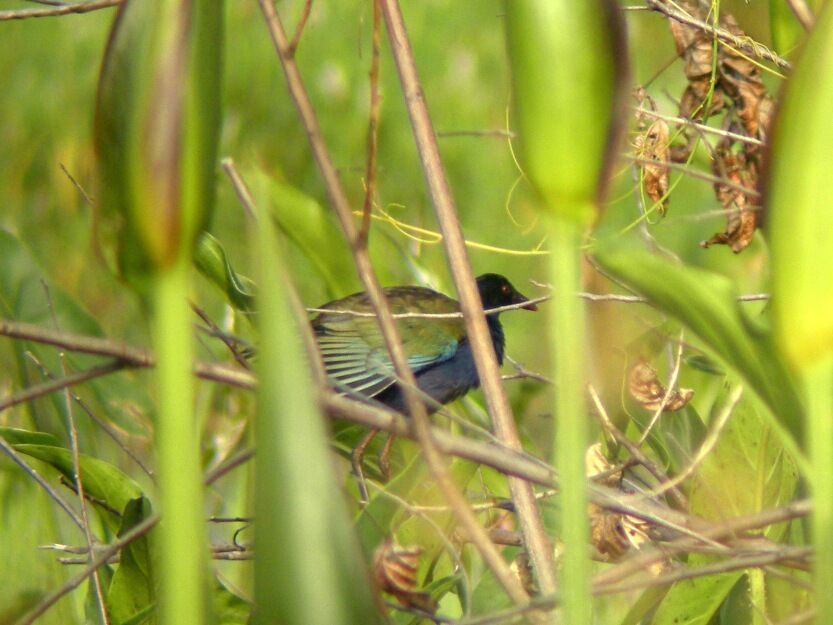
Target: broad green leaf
pixel 567 60
pixel 763 474
pixel 706 303
pixel 787 32
pixel 131 597
pixel 695 601
pixel 102 481
pixel 309 568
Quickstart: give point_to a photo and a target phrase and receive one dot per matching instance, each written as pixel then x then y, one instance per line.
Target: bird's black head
pixel 496 290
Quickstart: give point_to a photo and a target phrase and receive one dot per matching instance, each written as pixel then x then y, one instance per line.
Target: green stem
pixel 819 387
pixel 182 545
pixel 568 345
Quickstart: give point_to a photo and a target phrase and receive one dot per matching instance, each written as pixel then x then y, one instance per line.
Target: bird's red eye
pixel 505 289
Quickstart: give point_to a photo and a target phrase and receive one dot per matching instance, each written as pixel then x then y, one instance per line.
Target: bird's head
pixel 496 291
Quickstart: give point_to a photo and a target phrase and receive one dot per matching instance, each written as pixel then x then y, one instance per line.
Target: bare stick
pixel 477 331
pixel 420 422
pixel 67 9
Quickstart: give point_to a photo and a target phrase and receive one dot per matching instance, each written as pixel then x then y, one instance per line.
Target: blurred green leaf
pixel 309 568
pixel 16 436
pixel 229 608
pixel 568 74
pixel 787 32
pixel 706 303
pixel 157 128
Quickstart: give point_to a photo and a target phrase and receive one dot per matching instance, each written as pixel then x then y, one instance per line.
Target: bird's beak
pixel 519 299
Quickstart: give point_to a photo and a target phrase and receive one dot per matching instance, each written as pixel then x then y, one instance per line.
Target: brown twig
pixel 228 342
pixel 701 175
pixel 299 29
pixel 66 9
pixel 535 538
pixel 636 453
pixel 338 199
pixel 372 127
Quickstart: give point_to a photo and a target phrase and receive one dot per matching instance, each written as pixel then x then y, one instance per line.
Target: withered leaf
pixel 652 145
pixel 741 216
pixel 645 388
pixel 395 569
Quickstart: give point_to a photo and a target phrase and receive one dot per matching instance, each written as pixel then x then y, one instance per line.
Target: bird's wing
pixel 353 350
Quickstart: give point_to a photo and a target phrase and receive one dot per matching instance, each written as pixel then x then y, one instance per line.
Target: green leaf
pixel 131 597
pixel 706 303
pixel 695 601
pixel 309 569
pixel 229 608
pixel 16 436
pixel 102 481
pixel 567 60
pixel 764 476
pixel 212 262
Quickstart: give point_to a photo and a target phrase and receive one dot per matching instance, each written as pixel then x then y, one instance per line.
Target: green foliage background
pixel 50 68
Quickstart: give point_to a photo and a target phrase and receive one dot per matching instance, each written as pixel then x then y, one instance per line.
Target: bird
pixel 437 349
pixel 438 352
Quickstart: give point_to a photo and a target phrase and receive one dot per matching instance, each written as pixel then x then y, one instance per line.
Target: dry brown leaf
pixel 741 218
pixel 645 388
pixel 652 144
pixel 395 569
pixel 613 534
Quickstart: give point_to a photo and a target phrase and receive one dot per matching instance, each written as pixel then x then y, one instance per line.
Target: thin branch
pixel 535 538
pixel 67 9
pixel 102 558
pixel 372 126
pixel 696 173
pixel 299 28
pixel 338 199
pixel 635 452
pixel 742 43
pixel 708 444
pixel 701 127
pixel 498 133
pixel 227 341
pixel 130 356
pixel 57 384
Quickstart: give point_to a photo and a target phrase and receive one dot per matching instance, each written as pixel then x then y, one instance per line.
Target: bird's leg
pixel 384 458
pixel 356 460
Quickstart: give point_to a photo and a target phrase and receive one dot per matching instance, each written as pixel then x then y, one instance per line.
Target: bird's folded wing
pixel 354 363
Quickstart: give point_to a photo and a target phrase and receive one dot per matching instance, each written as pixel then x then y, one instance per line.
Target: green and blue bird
pixel 438 351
